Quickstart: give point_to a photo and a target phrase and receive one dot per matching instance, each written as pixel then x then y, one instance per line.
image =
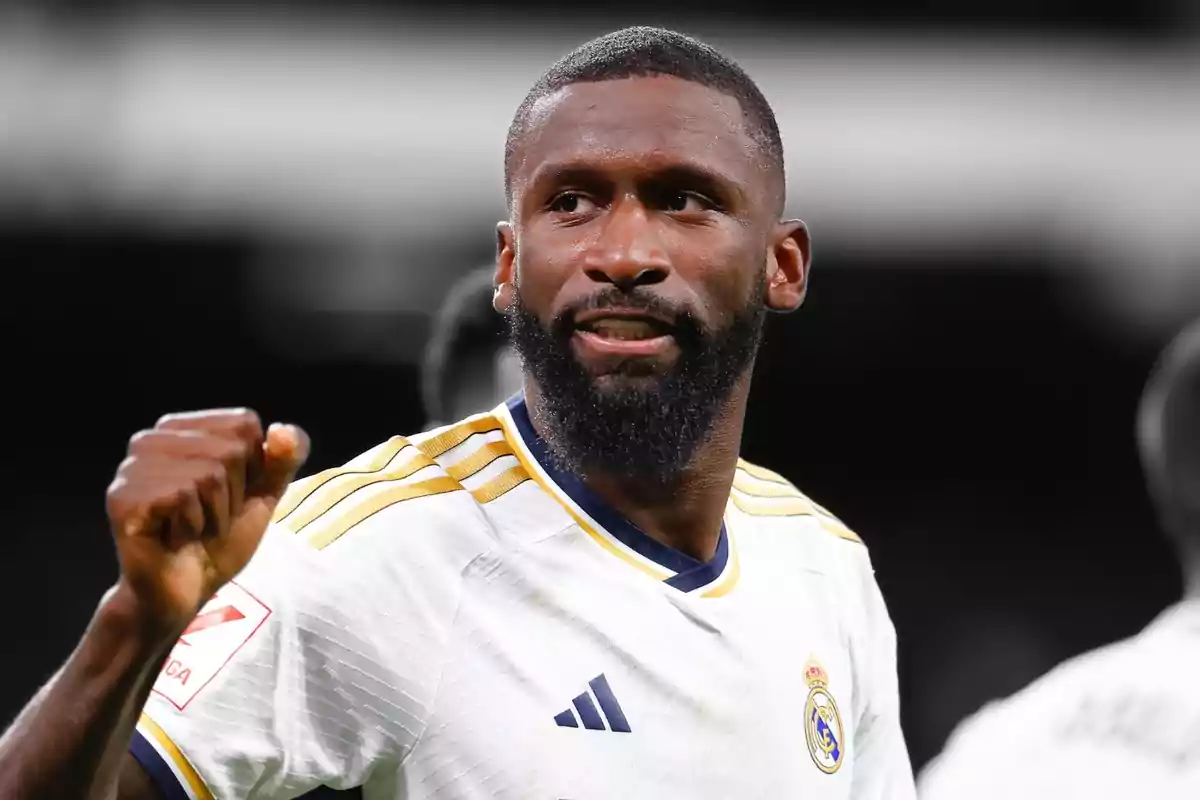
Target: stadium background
pixel 204 206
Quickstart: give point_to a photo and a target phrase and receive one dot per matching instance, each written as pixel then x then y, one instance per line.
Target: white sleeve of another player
pixel 995 755
pixel 279 686
pixel 1109 724
pixel 974 761
pixel 882 770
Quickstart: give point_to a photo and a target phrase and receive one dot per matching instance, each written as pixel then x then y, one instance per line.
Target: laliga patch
pixel 221 628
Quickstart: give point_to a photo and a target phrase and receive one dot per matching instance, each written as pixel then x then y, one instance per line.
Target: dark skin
pixel 191 503
pixel 187 509
pixel 652 182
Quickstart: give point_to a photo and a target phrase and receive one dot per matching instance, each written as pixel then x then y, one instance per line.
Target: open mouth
pixel 624 328
pixel 622 334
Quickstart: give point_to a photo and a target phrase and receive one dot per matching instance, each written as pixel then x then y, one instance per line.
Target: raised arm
pixel 187 508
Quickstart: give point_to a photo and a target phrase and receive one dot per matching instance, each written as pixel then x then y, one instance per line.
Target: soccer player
pixel 1124 720
pixel 469 365
pixel 584 593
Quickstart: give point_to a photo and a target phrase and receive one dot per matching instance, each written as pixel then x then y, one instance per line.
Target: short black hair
pixel 1169 438
pixel 646 52
pixel 465 328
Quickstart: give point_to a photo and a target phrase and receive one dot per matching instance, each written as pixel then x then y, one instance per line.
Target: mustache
pixel 682 320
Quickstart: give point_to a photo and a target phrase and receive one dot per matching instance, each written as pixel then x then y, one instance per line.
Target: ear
pixel 787 266
pixel 505 280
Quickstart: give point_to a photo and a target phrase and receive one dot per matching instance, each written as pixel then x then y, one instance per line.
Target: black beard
pixel 642 429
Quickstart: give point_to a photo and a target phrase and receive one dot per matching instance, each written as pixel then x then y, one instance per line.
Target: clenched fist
pixel 191 502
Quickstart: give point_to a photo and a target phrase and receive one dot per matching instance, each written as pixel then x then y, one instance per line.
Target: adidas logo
pixel 585 708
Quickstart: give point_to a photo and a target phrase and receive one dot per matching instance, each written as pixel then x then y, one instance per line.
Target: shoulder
pixel 409 493
pixel 394 530
pixel 767 496
pixel 787 529
pixel 1084 702
pixel 1105 672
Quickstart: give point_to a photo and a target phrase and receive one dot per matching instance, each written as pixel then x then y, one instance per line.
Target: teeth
pixel 624 329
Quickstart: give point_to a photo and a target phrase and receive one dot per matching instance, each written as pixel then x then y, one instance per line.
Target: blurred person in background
pixel 1124 720
pixel 585 592
pixel 469 365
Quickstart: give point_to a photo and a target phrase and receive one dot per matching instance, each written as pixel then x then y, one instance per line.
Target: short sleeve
pixel 287 680
pixel 882 769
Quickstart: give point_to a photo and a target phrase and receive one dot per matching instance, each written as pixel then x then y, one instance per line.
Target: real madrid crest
pixel 822 722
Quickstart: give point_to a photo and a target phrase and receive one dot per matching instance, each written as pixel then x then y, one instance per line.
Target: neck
pixel 688 514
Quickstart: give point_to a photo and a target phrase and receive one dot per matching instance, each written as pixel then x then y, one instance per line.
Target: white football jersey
pixel 450 616
pixel 1119 722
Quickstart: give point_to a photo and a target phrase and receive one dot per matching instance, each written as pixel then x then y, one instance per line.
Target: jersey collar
pixel 682 571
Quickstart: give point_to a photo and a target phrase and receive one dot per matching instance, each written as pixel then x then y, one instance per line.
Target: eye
pixel 571 203
pixel 678 202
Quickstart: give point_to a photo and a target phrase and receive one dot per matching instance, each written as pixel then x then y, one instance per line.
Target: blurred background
pixel 203 205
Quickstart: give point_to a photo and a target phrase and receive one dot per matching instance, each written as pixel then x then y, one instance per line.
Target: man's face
pixel 643 222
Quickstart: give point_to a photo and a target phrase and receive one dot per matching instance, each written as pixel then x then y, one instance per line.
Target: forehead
pixel 650 122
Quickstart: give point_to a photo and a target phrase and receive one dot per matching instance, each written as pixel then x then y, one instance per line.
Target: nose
pixel 628 252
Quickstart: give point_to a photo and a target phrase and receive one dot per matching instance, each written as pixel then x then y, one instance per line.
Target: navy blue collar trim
pixel 690 573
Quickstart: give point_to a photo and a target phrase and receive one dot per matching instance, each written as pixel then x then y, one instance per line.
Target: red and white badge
pixel 222 627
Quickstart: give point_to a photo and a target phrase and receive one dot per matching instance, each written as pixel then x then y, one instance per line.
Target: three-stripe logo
pixel 589 715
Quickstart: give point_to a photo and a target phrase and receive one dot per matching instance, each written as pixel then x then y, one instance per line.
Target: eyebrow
pixel 702 178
